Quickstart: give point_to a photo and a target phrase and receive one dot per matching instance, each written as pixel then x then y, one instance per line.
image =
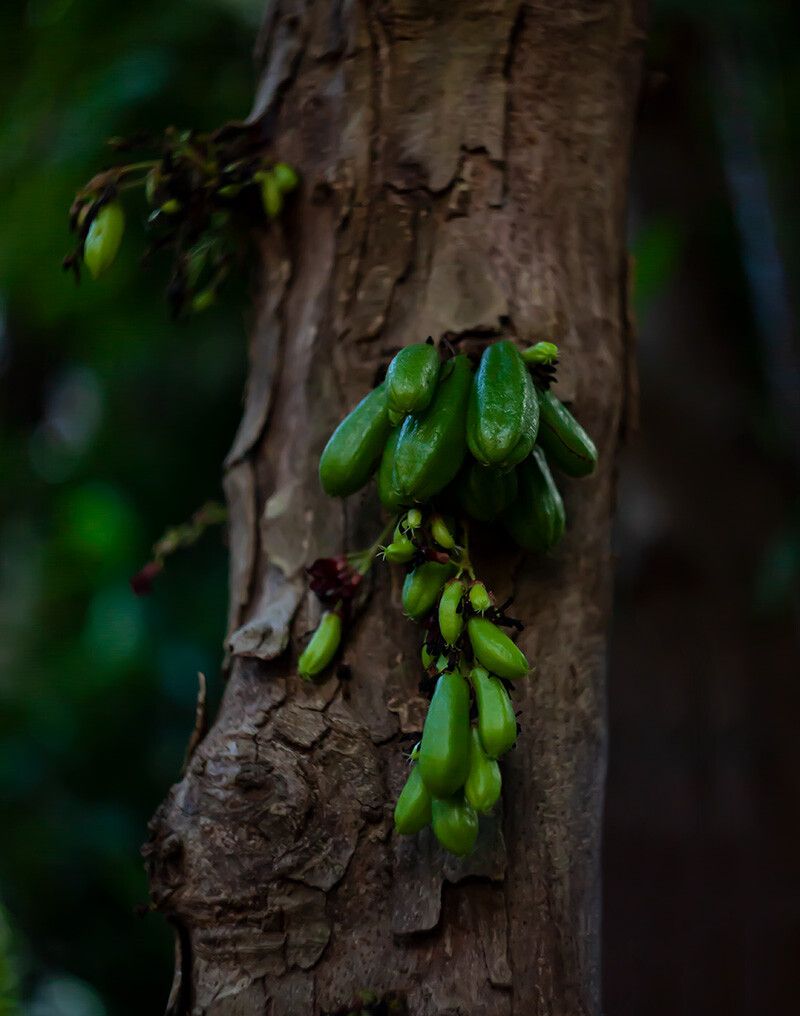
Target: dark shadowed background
pixel 114 421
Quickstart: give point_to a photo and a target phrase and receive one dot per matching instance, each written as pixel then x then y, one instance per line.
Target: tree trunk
pixel 464 174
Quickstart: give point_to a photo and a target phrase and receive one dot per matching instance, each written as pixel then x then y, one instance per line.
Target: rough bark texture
pixel 464 171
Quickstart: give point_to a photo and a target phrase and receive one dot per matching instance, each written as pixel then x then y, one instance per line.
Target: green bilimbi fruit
pixel 497 724
pixel 431 447
pixel 425 656
pixel 413 809
pixel 455 824
pixel 503 414
pixel 542 352
pixel 451 616
pixel 399 551
pixel 441 533
pixel 413 519
pixel 495 650
pixel 389 497
pixel 479 598
pixel 484 492
pixel 484 782
pixel 444 753
pixel 422 587
pixel 567 445
pixel 285 177
pixel 103 238
pixel 271 196
pixel 352 452
pixel 536 519
pixel 323 645
pixel 411 379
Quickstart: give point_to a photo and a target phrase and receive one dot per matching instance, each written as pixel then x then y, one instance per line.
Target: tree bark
pixel 464 174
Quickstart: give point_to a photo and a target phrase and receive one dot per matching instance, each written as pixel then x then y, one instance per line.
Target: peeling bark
pixel 464 172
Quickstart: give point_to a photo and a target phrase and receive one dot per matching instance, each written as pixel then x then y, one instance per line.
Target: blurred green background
pixel 114 421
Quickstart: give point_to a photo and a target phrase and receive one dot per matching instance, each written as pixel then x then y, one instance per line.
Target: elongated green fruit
pixel 479 598
pixel 484 492
pixel 451 616
pixel 441 533
pixel 323 645
pixel 103 238
pixel 484 782
pixel 399 551
pixel 495 650
pixel 413 809
pixel 422 587
pixel 444 753
pixel 455 824
pixel 431 447
pixel 568 446
pixel 503 414
pixel 352 452
pixel 497 724
pixel 271 196
pixel 536 519
pixel 389 497
pixel 411 378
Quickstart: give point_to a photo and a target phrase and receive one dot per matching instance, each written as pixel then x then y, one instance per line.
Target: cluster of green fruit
pixel 479 443
pixel 200 188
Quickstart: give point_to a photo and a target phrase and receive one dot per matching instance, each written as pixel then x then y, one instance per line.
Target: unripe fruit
pixel 484 782
pixel 455 824
pixel 411 378
pixel 497 724
pixel 536 519
pixel 103 238
pixel 567 445
pixel 422 587
pixel 451 617
pixel 271 196
pixel 444 753
pixel 495 650
pixel 542 352
pixel 413 809
pixel 479 598
pixel 323 645
pixel 441 533
pixel 399 551
pixel 285 177
pixel 352 452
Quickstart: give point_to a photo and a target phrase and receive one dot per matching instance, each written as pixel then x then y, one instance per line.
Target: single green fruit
pixel 285 177
pixel 425 656
pixel 411 378
pixel 103 238
pixel 567 445
pixel 413 519
pixel 323 645
pixel 271 196
pixel 484 492
pixel 399 551
pixel 455 824
pixel 497 724
pixel 431 447
pixel 422 587
pixel 542 352
pixel 503 414
pixel 352 452
pixel 413 809
pixel 479 598
pixel 444 753
pixel 484 782
pixel 536 519
pixel 441 533
pixel 495 650
pixel 451 614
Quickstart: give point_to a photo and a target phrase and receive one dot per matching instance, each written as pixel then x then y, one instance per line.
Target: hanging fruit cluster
pixel 452 443
pixel 204 191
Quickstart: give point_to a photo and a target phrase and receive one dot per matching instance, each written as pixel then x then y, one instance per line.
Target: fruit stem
pixel 465 564
pixel 364 559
